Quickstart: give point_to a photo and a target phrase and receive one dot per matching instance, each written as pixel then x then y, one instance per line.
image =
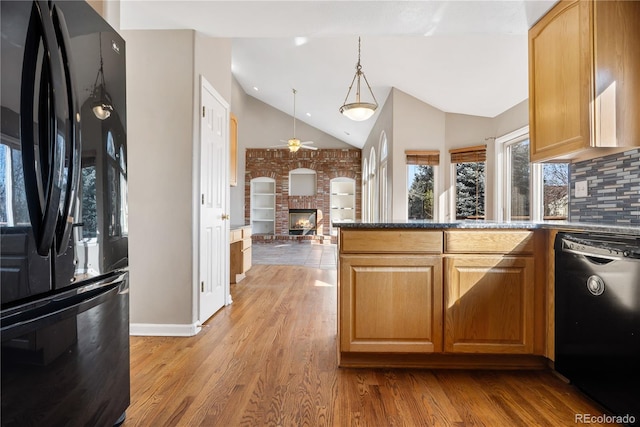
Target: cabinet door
pixel 560 81
pixel 489 304
pixel 390 303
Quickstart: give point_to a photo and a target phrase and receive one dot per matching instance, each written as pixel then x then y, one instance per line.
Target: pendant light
pixel 101 106
pixel 294 143
pixel 359 110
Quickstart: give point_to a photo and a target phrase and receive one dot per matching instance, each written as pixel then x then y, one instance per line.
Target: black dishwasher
pixel 597 318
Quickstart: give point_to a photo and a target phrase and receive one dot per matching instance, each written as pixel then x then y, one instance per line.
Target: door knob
pixel 225 216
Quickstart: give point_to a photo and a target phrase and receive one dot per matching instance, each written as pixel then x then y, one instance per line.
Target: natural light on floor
pixel 320 283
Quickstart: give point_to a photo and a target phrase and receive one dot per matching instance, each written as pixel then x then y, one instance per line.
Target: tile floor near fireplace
pixel 305 253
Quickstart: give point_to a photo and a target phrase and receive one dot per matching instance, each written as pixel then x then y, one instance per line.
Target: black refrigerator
pixel 64 321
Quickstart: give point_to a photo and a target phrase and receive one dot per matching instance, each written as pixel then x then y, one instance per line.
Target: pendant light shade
pixel 102 110
pixel 359 110
pixel 102 105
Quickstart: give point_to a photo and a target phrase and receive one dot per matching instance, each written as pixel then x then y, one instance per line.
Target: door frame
pixel 196 187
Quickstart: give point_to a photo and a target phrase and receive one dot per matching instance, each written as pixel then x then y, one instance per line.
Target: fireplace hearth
pixel 303 221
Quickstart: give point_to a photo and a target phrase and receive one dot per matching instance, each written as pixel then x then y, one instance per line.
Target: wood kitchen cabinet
pixel 490 291
pixel 584 79
pixel 489 303
pixel 441 298
pixel 240 252
pixel 391 303
pixel 390 291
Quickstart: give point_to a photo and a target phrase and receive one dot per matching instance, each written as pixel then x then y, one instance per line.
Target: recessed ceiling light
pixel 256 88
pixel 308 114
pixel 299 41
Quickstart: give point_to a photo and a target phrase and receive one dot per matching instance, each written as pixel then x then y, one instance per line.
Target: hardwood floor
pixel 269 359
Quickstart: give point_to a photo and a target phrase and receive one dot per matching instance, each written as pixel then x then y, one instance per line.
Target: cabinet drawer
pixel 246 259
pixel 246 232
pixel 391 241
pixel 246 243
pixel 235 235
pixel 488 242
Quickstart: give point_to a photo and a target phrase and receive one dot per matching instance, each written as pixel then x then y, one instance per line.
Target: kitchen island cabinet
pixel 391 292
pixel 441 298
pixel 489 303
pixel 490 291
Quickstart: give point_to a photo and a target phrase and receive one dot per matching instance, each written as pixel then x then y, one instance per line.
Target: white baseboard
pixel 163 330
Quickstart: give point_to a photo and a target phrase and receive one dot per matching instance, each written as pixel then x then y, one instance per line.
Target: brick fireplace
pixel 303 222
pixel 278 163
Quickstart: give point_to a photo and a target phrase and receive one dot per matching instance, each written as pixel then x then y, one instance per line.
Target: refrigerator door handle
pixel 66 220
pixel 32 173
pixel 43 210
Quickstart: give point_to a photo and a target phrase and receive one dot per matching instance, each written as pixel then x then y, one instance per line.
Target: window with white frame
pixel 383 177
pixel 469 175
pixel 421 198
pixel 373 187
pixel 365 190
pixel 528 191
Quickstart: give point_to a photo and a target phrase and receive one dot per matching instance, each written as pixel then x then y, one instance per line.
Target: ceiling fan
pixel 294 144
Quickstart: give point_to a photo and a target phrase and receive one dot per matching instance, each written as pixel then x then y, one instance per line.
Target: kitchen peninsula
pixel 468 294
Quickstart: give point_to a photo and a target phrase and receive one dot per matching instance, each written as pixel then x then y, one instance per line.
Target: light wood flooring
pixel 269 359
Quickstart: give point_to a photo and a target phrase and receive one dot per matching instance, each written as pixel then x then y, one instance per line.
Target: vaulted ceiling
pixel 467 57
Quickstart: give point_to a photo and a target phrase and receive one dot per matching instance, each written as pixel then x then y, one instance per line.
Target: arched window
pixel 373 186
pixel 365 192
pixel 383 177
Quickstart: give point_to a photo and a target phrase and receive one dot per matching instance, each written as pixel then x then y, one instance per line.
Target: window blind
pixel 476 153
pixel 423 158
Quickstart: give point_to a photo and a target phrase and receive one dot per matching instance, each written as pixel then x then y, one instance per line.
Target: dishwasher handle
pixel 597 258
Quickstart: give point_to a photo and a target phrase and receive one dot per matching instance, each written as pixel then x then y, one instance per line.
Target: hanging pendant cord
pixel 294 113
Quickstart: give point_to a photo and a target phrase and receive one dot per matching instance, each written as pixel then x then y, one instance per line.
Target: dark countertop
pixel 474 224
pixel 237 226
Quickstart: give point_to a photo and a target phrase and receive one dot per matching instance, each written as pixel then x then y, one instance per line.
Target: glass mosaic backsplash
pixel 613 192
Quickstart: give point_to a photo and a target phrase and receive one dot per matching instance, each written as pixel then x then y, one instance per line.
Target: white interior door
pixel 214 200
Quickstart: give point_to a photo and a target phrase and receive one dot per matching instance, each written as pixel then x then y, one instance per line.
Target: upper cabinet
pixel 584 79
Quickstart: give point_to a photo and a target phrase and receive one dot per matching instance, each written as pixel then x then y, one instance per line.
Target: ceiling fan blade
pixel 308 147
pixel 307 142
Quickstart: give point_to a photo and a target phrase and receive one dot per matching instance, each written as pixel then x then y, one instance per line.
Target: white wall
pixel 463 131
pixel 163 67
pixel 384 123
pixel 466 131
pixel 416 126
pixel 411 124
pixel 109 10
pixel 262 126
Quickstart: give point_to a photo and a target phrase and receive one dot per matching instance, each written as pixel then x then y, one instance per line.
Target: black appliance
pixel 64 319
pixel 597 318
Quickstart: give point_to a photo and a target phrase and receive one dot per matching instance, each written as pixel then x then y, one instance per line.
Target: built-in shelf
pixel 263 203
pixel 342 200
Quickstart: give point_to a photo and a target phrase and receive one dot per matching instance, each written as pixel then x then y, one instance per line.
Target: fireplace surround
pixel 277 164
pixel 303 221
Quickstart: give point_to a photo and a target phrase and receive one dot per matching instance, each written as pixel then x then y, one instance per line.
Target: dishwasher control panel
pixel 603 246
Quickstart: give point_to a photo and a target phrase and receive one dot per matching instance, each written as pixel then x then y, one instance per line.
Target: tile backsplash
pixel 613 189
